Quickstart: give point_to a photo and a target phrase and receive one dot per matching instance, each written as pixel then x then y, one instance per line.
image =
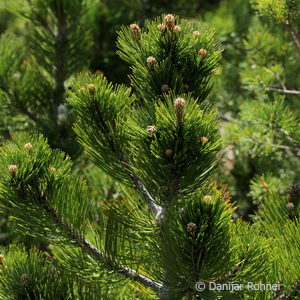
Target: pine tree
pixel 174 227
pixel 31 49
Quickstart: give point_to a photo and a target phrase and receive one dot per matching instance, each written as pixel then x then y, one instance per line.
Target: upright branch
pixel 156 209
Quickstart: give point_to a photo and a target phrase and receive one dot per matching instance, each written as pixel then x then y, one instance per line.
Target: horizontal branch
pixel 121 269
pixel 98 255
pixel 287 148
pixel 284 91
pixel 226 117
pixel 292 150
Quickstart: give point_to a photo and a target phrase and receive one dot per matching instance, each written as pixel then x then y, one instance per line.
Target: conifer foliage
pixel 160 140
pixel 34 72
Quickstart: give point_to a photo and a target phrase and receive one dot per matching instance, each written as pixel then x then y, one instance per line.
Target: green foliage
pixel 103 113
pixel 260 185
pixel 265 127
pixel 54 207
pixel 178 63
pixel 11 55
pixel 102 109
pixel 69 52
pixel 261 59
pixel 279 10
pixel 193 228
pixel 33 78
pixel 279 217
pixel 40 177
pixel 29 276
pixel 174 175
pixel 170 225
pixel 34 275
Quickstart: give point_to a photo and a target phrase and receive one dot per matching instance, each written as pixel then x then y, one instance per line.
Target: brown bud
pixel 191 228
pixel 204 140
pixel 264 185
pixel 24 277
pixel 13 170
pixel 196 33
pixel 151 62
pixel 164 88
pixel 177 28
pixel 83 89
pixel 28 147
pixel 169 153
pixel 136 30
pixel 151 129
pixel 207 198
pixel 134 27
pixel 1 259
pixel 92 89
pixel 170 21
pixel 162 28
pixel 179 109
pixel 202 53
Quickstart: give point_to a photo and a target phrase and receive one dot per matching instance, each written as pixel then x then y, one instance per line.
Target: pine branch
pixel 45 24
pixel 289 150
pixel 98 255
pixel 226 117
pixel 286 148
pixel 285 91
pixel 157 210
